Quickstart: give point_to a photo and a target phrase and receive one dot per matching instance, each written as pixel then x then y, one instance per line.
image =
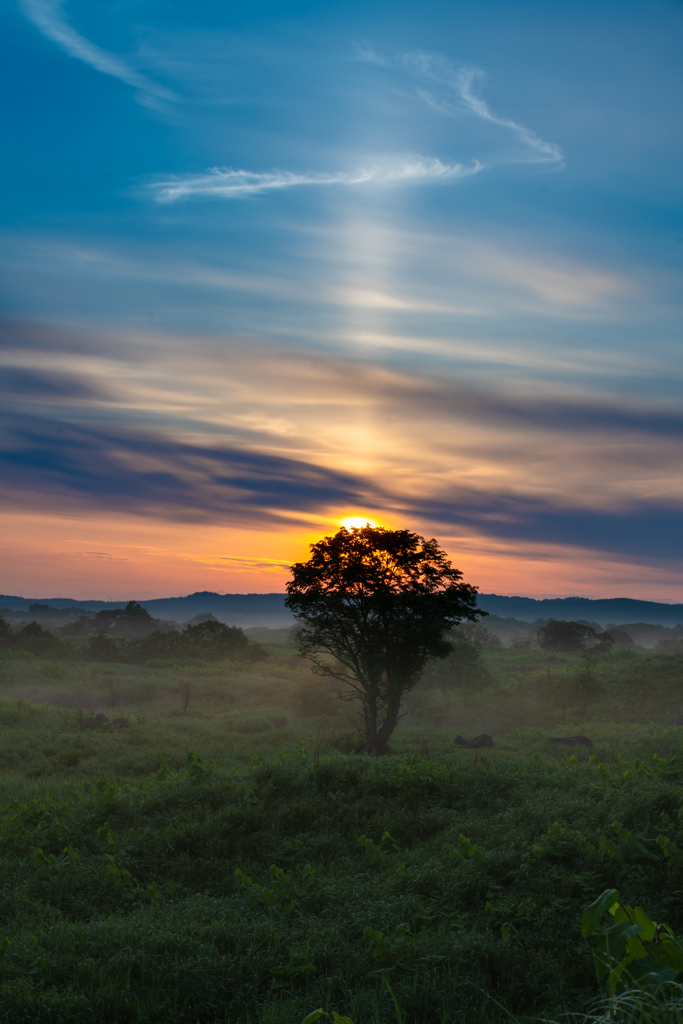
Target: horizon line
pixel 277 593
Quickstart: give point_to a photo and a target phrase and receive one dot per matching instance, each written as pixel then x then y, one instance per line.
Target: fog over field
pixel 190 794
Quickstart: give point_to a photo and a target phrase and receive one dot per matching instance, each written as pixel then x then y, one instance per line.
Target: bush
pixel 21 713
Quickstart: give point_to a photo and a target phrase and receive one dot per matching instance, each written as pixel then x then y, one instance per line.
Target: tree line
pixel 205 641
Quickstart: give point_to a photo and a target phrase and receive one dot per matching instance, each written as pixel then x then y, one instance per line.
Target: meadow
pixel 227 857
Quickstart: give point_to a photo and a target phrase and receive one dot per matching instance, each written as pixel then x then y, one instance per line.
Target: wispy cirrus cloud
pixel 460 83
pixel 226 183
pixel 48 17
pixel 458 91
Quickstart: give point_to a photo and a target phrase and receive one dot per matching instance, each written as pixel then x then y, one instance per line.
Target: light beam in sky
pixel 436 276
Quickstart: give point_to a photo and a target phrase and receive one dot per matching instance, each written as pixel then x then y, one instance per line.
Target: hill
pixel 269 610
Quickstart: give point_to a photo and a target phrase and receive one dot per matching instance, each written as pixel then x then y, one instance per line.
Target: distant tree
pixel 213 641
pixel 165 645
pixel 373 606
pixel 621 640
pixel 572 638
pixel 207 641
pixel 33 639
pixel 82 626
pixel 134 610
pixel 672 643
pixel 133 618
pixel 476 632
pixel 106 618
pixel 102 647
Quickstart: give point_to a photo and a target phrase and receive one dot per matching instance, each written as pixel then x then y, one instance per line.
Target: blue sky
pixel 266 266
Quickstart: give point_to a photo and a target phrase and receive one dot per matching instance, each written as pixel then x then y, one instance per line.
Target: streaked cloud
pixel 255 433
pixel 138 471
pixel 460 83
pixel 28 383
pixel 226 183
pixel 342 268
pixel 48 17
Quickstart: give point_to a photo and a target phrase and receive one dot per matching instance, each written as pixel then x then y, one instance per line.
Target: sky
pixel 266 267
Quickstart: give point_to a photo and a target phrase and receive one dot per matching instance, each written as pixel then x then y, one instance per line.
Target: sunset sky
pixel 268 266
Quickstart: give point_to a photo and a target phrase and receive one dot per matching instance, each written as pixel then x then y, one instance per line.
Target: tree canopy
pixel 374 605
pixel 573 638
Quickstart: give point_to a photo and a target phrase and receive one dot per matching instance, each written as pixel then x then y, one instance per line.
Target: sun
pixel 357 522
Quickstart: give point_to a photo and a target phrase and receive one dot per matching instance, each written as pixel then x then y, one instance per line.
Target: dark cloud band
pixel 45 462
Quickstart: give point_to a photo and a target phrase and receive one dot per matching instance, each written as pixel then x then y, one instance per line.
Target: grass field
pixel 237 863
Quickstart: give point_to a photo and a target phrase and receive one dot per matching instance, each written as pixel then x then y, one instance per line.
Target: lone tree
pixel 374 606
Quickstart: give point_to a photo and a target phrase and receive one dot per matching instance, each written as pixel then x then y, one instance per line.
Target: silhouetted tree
pixel 373 606
pixel 131 622
pixel 477 633
pixel 213 641
pixel 572 638
pixel 33 639
pixel 621 640
pixel 83 625
pixel 101 647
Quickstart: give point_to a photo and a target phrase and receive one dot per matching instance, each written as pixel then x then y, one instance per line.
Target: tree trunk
pixel 376 738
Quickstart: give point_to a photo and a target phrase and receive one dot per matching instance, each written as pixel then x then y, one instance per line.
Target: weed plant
pixel 238 862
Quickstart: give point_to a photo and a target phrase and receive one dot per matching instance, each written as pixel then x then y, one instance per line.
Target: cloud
pixel 460 81
pixel 597 415
pixel 20 382
pixel 649 530
pixel 226 183
pixel 261 435
pixel 19 336
pixel 47 16
pixel 43 461
pixel 67 467
pixel 103 554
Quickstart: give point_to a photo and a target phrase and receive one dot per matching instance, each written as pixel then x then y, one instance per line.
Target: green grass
pixel 477 890
pixel 146 921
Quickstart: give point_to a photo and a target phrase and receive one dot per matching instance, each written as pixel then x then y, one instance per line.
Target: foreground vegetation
pixel 238 862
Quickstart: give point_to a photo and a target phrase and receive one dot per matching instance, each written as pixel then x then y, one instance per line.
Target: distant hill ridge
pixel 269 610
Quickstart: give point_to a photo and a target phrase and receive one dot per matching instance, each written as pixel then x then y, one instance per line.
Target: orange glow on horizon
pixel 127 557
